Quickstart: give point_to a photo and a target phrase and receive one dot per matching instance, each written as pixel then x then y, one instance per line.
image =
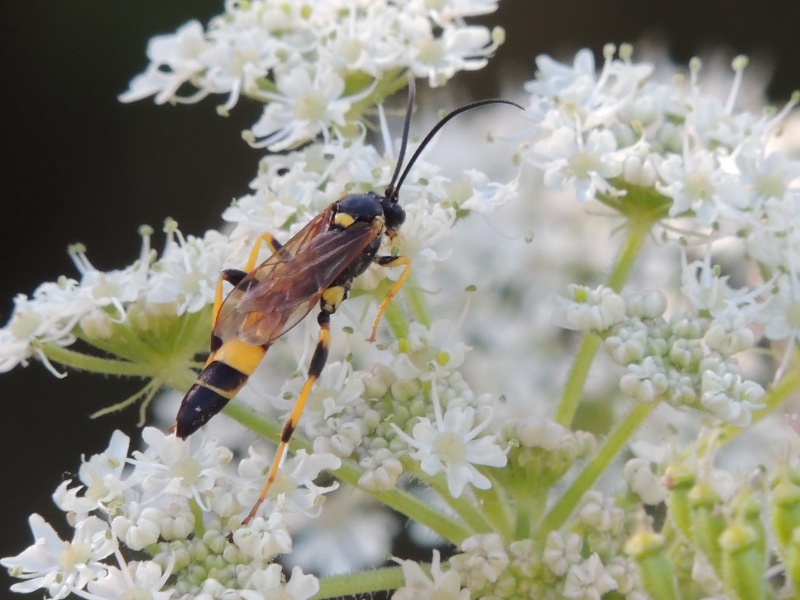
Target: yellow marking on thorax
pixel 242 357
pixel 343 219
pixel 333 297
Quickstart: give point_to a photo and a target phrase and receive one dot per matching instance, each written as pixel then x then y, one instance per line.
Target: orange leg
pixel 314 371
pixel 390 261
pixel 234 276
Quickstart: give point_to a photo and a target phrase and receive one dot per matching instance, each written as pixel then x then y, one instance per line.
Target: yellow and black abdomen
pixel 219 381
pixel 215 386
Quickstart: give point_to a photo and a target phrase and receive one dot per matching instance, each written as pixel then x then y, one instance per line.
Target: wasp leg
pixel 206 398
pixel 314 370
pixel 273 244
pixel 390 261
pixel 234 276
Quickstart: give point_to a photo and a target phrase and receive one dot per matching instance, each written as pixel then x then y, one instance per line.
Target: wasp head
pixel 393 215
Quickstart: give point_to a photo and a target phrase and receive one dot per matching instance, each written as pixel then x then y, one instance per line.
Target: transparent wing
pixel 280 292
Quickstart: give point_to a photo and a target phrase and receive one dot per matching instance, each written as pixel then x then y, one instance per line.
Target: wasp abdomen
pixel 215 386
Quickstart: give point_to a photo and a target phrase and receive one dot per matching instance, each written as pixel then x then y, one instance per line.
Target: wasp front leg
pixel 388 262
pixel 318 361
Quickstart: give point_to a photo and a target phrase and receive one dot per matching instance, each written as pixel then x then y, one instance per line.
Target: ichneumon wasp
pixel 318 265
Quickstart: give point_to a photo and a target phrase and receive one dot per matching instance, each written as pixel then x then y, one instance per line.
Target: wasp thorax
pixel 359 207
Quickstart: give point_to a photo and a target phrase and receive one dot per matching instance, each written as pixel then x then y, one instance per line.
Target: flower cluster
pixel 311 64
pixel 491 408
pixel 687 361
pixel 173 503
pixel 667 151
pixel 585 563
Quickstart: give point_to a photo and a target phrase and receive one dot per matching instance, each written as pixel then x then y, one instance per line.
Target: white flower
pixel 426 230
pixel 562 551
pixel 139 527
pixel 708 290
pixel 293 489
pixel 302 108
pixel 102 477
pixel 569 161
pixel 62 567
pixel 601 513
pixel 440 585
pixel 186 278
pixel 337 388
pixel 172 466
pixel 428 352
pixel 588 580
pixel 781 316
pixel 643 482
pixel 483 558
pixel 452 446
pixel 263 539
pixel 730 398
pixel 693 183
pixel 644 381
pixel 175 60
pixel 268 583
pixel 381 471
pixel 253 46
pixel 463 49
pixel 133 580
pixel 587 309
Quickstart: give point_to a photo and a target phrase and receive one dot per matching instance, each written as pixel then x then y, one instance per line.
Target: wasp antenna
pixel 412 93
pixel 396 189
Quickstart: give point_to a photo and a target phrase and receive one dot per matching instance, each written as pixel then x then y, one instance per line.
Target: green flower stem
pixel 573 390
pixel 496 505
pixel 95 364
pixel 395 318
pixel 181 379
pixel 375 580
pixel 779 392
pixel 610 449
pixel 197 513
pixel 415 298
pixel 391 82
pixel 408 505
pixel 245 415
pixel 462 506
pixel 527 508
pixel 637 234
pixel 350 473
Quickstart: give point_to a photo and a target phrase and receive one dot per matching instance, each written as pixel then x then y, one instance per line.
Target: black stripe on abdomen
pixel 216 384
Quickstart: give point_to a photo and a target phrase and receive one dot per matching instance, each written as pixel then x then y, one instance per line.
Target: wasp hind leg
pixel 318 361
pixel 388 262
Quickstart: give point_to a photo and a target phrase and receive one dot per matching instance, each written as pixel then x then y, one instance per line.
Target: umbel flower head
pixel 312 64
pixel 469 415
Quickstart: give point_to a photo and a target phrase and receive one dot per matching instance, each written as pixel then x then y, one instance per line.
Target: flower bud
pixel 679 480
pixel 648 549
pixel 791 559
pixel 742 562
pixel 785 511
pixel 707 523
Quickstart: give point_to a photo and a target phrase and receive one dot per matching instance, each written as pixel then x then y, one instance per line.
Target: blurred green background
pixel 78 166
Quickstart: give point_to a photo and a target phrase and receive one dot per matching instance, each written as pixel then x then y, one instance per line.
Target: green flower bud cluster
pixel 722 539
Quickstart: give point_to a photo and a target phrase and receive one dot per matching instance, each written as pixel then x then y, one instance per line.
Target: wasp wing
pixel 280 292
